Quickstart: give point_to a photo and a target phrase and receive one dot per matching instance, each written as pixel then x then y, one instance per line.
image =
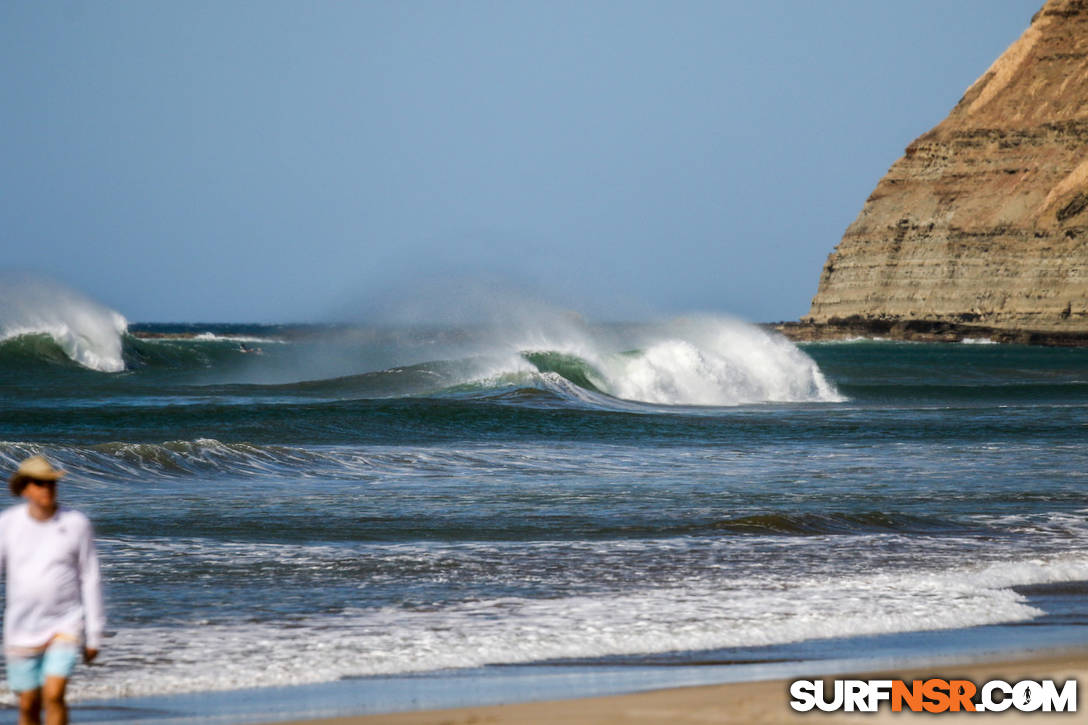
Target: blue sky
pixel 305 161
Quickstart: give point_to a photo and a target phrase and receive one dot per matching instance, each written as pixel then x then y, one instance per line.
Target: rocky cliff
pixel 984 220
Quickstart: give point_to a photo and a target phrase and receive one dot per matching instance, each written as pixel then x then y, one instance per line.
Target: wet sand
pixel 750 702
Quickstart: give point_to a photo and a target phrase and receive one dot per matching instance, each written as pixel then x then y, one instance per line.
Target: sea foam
pixel 88 333
pixel 744 612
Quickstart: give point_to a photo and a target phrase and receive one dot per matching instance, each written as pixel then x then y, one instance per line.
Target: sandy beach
pixel 746 702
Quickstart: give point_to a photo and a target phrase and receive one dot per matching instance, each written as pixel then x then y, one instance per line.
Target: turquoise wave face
pixel 570 367
pixel 28 352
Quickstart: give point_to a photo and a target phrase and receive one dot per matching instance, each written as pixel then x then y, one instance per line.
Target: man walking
pixel 54 594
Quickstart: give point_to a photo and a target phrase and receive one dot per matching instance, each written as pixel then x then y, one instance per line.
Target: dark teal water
pixel 335 502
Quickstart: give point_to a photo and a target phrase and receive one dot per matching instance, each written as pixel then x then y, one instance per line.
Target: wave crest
pixel 708 361
pixel 719 362
pixel 88 333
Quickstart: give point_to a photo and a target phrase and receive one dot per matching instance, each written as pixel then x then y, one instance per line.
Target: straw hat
pixel 34 468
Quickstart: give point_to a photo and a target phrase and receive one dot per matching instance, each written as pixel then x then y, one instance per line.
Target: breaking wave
pixel 36 315
pixel 712 362
pixel 706 361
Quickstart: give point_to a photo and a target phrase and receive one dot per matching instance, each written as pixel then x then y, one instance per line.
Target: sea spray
pixel 715 361
pixel 89 333
pixel 707 361
pixel 702 361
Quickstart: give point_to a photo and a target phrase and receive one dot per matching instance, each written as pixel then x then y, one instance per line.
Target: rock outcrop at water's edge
pixel 984 221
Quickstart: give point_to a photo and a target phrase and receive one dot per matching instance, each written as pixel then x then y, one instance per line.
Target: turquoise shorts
pixel 29 673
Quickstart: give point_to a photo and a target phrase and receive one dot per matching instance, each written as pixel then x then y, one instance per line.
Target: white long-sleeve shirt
pixel 53 584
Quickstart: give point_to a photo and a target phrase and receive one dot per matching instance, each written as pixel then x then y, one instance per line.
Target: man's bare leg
pixel 56 709
pixel 30 707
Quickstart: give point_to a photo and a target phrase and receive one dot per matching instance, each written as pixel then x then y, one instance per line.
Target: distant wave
pixel 670 374
pixel 211 459
pixel 85 331
pixel 211 336
pixel 689 362
pixel 693 362
pixel 702 361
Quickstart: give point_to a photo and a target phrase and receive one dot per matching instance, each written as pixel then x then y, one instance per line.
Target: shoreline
pixel 763 701
pixel 437 696
pixel 923 331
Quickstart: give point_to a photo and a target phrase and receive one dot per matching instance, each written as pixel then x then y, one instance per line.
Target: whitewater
pixel 88 333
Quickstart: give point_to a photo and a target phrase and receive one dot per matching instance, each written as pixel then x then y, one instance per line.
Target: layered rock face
pixel 985 218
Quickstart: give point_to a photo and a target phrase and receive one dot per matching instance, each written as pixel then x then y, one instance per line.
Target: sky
pixel 274 161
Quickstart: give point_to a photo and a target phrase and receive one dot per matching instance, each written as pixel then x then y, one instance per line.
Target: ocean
pixel 279 505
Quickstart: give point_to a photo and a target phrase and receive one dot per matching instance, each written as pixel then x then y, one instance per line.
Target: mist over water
pixel 478 340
